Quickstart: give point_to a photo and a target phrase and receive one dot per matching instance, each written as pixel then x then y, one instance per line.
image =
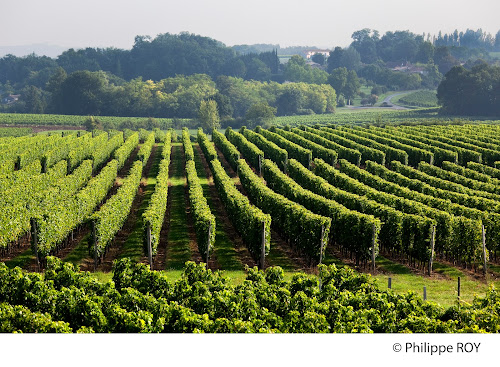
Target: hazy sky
pixel 105 23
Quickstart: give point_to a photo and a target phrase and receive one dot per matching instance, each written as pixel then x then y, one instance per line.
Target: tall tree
pixel 352 85
pixel 208 115
pixel 338 80
pixel 81 93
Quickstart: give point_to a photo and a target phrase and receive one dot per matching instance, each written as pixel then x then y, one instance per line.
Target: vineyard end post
pixel 485 269
pixel 34 241
pixel 433 241
pixel 263 246
pixel 208 242
pixel 373 248
pixel 94 242
pixel 148 243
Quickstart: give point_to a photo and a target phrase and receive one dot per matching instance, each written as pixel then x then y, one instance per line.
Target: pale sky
pixel 106 23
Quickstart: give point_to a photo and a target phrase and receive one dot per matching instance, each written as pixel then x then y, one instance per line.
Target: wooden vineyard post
pixel 148 244
pixel 322 244
pixel 433 236
pixel 389 283
pixel 94 241
pixel 34 241
pixel 208 242
pixel 260 165
pixel 425 293
pixel 263 247
pixel 485 270
pixel 458 288
pixel 373 249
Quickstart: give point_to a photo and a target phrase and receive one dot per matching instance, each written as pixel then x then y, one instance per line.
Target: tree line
pixel 169 75
pixel 474 91
pixel 94 93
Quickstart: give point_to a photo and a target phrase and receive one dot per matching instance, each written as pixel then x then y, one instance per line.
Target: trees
pixel 345 82
pixel 260 114
pixel 34 100
pixel 471 92
pixel 289 102
pixel 318 58
pixel 296 70
pixel 338 79
pixel 208 115
pixel 365 42
pixel 425 53
pixel 81 93
pixel 352 85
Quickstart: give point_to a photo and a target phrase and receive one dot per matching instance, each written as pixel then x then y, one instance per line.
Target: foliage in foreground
pixel 139 300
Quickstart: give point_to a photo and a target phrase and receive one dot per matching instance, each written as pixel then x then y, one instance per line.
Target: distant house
pixel 315 65
pixel 310 53
pixel 409 68
pixel 11 98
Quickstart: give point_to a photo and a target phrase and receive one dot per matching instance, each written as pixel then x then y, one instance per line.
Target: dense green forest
pixel 471 92
pixel 169 75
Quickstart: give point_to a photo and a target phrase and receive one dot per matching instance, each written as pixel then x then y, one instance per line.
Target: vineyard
pixel 293 198
pixel 422 98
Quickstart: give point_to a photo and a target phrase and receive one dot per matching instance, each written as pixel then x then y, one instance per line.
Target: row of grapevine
pixel 295 151
pixel 487 170
pixel 154 215
pixel 204 220
pixel 306 232
pixel 440 182
pixel 251 223
pixel 122 153
pixel 61 150
pixel 470 173
pixel 457 237
pixel 353 231
pixel 208 149
pixel 352 155
pixel 145 150
pixel 367 152
pixel 464 155
pixel 100 156
pixel 112 215
pixel 228 150
pixel 318 151
pixel 186 143
pixel 489 219
pixel 440 154
pixel 252 153
pixel 415 154
pixel 391 153
pixel 459 179
pixel 270 149
pixel 19 198
pixel 399 232
pixel 470 151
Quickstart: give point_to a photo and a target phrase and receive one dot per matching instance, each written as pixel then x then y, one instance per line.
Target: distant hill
pixel 40 49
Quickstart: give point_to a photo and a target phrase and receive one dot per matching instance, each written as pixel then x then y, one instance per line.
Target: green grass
pixel 421 98
pixel 439 290
pixel 80 252
pixel 442 290
pixel 133 246
pixel 22 260
pixel 224 250
pixel 178 250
